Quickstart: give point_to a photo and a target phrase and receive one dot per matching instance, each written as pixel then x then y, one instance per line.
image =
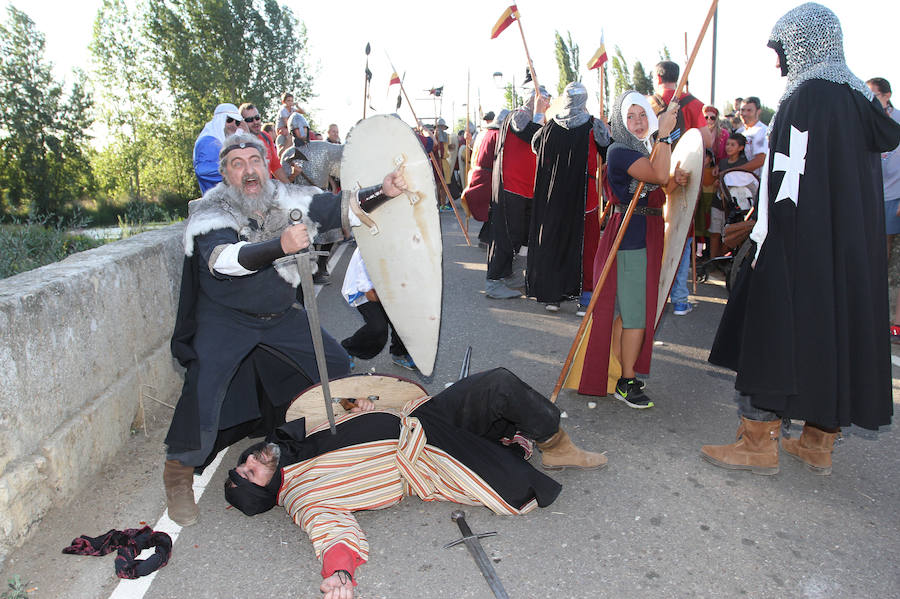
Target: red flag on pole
pixel 505 20
pixel 395 79
pixel 599 56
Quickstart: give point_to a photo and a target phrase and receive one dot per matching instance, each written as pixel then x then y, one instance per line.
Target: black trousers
pixel 370 339
pixel 496 404
pixel 510 219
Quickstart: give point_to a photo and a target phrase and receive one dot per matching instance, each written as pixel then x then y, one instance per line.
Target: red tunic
pixel 519 166
pixel 591 218
pixel 596 361
pixel 478 193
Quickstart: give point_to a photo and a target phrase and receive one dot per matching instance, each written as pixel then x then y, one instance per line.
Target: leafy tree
pixel 642 82
pixel 512 99
pixel 213 51
pixel 44 159
pixel 567 60
pixel 620 70
pixel 664 54
pixel 125 79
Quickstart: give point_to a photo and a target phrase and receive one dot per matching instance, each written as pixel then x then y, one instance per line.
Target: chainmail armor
pixel 574 113
pixel 621 135
pixel 813 45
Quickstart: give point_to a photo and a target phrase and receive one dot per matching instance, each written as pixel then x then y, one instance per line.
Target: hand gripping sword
pixel 304 259
pixel 478 554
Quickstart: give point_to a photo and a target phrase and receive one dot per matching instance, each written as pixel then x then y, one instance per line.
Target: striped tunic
pixel 321 493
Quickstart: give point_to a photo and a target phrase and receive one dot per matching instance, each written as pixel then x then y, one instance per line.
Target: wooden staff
pixel 466 135
pixel 607 266
pixel 602 67
pixel 434 162
pixel 537 88
pixel 366 86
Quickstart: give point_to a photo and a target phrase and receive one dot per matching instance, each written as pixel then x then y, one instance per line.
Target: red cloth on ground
pixel 596 361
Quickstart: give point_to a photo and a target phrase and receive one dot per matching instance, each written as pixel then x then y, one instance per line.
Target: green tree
pixel 513 99
pixel 44 159
pixel 620 70
pixel 125 80
pixel 642 82
pixel 213 51
pixel 567 60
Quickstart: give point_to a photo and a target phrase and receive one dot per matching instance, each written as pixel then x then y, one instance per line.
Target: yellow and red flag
pixel 395 79
pixel 505 20
pixel 599 56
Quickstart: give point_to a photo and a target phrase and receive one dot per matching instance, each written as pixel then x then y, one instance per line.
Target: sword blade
pixel 304 267
pixel 464 371
pixel 478 554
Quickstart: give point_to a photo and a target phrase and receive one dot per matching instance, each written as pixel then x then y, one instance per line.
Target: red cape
pixel 596 361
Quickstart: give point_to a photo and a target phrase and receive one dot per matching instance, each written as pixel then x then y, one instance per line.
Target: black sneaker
pixel 631 392
pixel 321 278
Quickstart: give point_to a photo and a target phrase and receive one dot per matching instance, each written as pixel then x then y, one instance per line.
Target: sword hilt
pixel 459 517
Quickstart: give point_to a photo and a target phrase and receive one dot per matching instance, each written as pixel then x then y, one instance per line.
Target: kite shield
pixel 679 211
pixel 400 241
pixel 392 392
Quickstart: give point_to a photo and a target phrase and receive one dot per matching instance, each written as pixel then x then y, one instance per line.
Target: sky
pixel 449 44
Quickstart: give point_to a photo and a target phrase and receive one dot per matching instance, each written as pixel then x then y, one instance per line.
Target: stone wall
pixel 78 339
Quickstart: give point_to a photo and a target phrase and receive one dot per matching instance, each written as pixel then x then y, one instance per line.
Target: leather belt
pixel 645 210
pixel 264 315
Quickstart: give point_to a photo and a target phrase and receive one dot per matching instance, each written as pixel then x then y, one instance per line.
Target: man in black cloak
pixel 806 326
pixel 512 187
pixel 240 333
pixel 565 229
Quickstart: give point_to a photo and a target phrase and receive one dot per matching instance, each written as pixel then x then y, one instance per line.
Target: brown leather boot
pixel 813 448
pixel 179 482
pixel 756 450
pixel 558 452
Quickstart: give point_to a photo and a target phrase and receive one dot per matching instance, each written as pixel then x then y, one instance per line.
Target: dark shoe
pixel 631 391
pixel 681 308
pixel 756 450
pixel 581 310
pixel 558 452
pixel 321 278
pixel 813 448
pixel 404 361
pixel 495 289
pixel 179 482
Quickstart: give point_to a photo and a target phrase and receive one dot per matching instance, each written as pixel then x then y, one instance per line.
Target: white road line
pixel 895 360
pixel 137 588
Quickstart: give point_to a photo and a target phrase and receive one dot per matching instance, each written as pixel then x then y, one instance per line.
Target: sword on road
pixel 478 554
pixel 304 259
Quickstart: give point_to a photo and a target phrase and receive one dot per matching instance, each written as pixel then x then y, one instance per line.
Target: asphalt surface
pixel 658 522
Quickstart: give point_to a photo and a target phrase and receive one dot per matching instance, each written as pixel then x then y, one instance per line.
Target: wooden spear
pixel 625 220
pixel 537 88
pixel 368 75
pixel 434 162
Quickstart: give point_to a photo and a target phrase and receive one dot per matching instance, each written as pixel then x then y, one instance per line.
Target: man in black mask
pixel 463 445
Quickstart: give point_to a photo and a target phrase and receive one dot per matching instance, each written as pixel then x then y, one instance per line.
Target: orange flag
pixel 599 56
pixel 505 20
pixel 395 79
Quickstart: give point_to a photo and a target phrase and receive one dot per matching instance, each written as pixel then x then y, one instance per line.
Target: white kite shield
pixel 400 241
pixel 393 392
pixel 679 211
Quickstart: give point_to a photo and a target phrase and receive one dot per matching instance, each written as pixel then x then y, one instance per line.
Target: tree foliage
pixel 642 82
pixel 567 60
pixel 44 159
pixel 620 70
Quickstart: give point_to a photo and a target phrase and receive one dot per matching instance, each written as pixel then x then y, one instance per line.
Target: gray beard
pixel 251 205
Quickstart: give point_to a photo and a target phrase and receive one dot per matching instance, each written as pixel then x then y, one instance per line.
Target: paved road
pixel 659 522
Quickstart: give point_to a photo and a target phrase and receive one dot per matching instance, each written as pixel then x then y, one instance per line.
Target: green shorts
pixel 631 287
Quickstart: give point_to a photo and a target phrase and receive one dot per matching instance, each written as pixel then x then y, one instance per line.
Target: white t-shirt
pixel 757 141
pixel 356 281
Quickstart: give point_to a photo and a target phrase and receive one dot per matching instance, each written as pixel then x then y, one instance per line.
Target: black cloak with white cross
pixel 807 329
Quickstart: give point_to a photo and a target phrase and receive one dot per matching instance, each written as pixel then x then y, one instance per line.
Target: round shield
pixel 400 241
pixel 392 392
pixel 679 211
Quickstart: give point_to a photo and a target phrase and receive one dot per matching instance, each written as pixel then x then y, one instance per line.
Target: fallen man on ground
pixel 463 445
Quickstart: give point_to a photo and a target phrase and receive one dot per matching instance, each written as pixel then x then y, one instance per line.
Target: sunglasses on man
pixel 250 119
pixel 230 120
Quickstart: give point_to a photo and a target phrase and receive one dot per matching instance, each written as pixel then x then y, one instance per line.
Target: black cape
pixel 807 328
pixel 556 234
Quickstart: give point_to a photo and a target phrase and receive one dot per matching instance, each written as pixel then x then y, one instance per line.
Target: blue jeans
pixel 679 285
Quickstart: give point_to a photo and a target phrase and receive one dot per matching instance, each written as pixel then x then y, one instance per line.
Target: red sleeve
pixel 340 557
pixel 272 153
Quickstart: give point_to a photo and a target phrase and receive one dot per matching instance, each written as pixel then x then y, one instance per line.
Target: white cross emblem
pixel 792 165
